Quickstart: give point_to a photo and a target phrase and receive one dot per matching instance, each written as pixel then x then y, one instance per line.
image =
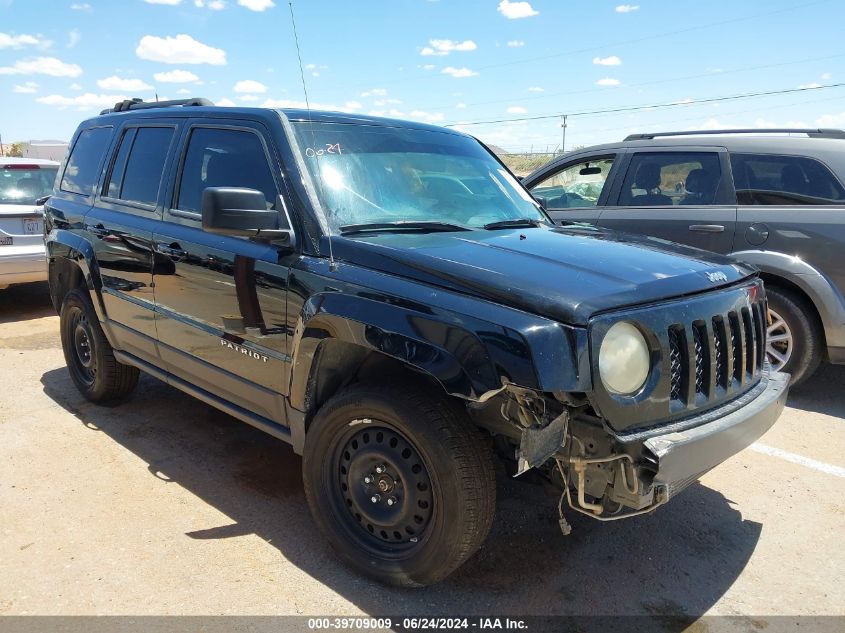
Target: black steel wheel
pixel 399 482
pixel 89 357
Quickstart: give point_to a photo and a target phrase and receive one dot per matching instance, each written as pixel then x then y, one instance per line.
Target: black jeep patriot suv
pixel 388 298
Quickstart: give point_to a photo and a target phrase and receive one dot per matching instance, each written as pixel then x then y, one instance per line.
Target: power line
pixel 653 106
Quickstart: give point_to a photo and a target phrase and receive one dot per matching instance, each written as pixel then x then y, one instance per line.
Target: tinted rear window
pixel 139 165
pixel 82 170
pixel 784 180
pixel 24 184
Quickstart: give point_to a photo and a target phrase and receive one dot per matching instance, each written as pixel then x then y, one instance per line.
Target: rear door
pixel 120 226
pixel 574 190
pixel 221 304
pixel 682 195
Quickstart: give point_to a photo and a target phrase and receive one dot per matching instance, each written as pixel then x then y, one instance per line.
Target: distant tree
pixel 15 150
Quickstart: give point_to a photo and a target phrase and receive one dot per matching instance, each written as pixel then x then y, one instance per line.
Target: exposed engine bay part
pixel 538 444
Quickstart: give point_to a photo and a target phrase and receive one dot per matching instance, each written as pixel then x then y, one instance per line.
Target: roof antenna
pixel 332 263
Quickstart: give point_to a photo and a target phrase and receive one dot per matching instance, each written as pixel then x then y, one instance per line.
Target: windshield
pixel 373 175
pixel 24 184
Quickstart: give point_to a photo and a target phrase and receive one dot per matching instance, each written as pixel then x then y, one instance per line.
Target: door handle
pixel 98 230
pixel 707 228
pixel 172 250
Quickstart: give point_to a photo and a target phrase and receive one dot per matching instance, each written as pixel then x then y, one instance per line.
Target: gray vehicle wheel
pixel 399 482
pixel 793 336
pixel 90 359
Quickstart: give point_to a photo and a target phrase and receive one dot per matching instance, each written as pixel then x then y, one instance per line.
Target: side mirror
pixel 40 202
pixel 543 202
pixel 242 212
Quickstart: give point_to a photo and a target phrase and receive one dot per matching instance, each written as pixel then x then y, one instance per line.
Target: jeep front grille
pixel 704 370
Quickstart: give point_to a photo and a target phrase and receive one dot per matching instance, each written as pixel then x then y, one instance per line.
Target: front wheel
pixel 399 482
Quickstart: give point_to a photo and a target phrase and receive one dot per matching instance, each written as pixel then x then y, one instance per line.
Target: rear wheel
pixel 89 356
pixel 793 336
pixel 399 482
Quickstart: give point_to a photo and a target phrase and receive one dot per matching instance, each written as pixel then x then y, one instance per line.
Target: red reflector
pixel 20 166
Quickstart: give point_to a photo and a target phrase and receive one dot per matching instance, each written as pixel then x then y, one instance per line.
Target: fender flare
pixel 63 244
pixel 824 294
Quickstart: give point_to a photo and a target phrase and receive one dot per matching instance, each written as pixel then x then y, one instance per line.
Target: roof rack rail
pixel 813 133
pixel 140 104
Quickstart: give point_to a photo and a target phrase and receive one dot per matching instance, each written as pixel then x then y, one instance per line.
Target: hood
pixel 567 274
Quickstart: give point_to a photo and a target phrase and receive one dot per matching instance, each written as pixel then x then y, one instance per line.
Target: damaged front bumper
pixel 641 471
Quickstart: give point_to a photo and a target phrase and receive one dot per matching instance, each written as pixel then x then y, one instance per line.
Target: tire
pixel 794 337
pixel 89 356
pixel 438 471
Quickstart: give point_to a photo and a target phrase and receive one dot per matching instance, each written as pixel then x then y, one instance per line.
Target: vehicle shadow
pixel 675 563
pixel 822 393
pixel 25 302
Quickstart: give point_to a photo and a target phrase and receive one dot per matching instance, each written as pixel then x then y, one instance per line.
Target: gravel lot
pixel 163 505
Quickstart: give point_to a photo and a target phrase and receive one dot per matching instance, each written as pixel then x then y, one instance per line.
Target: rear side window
pixel 224 158
pixel 139 164
pixel 657 179
pixel 784 180
pixel 81 172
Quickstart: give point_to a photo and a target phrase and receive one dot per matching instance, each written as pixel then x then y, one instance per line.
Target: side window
pixel 224 158
pixel 81 172
pixel 656 179
pixel 578 185
pixel 784 180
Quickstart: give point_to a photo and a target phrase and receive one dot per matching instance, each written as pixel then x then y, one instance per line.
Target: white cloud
pixel 516 10
pixel 73 38
pixel 375 92
pixel 249 97
pixel 257 5
pixel 809 86
pixel 429 67
pixel 536 89
pixel 517 110
pixel 607 81
pixel 226 103
pixel 458 72
pixel 251 86
pixel 613 60
pixel 183 91
pixel 87 100
pixel 444 47
pixel 627 8
pixel 182 49
pixel 515 43
pixel 28 87
pixel 461 105
pixel 19 41
pixel 831 120
pixel 176 77
pixel 349 106
pixel 428 117
pixel 42 66
pixel 80 6
pixel 825 76
pixel 384 102
pixel 75 86
pixel 214 5
pixel 171 2
pixel 117 83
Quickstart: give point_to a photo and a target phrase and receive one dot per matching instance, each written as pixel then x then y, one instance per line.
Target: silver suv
pixel 773 198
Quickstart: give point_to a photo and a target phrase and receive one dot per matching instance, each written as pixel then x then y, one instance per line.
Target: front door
pixel 683 196
pixel 220 311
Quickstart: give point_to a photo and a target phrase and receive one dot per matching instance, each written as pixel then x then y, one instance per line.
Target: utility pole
pixel 563 141
pixel 2 151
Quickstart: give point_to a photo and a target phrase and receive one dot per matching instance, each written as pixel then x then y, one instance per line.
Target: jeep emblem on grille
pixel 716 276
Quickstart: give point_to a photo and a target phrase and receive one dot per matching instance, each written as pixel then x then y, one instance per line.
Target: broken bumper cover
pixel 684 455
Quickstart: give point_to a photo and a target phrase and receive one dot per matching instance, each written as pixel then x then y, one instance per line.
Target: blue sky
pixel 440 61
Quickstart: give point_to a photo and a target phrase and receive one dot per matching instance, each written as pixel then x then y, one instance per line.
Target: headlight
pixel 624 359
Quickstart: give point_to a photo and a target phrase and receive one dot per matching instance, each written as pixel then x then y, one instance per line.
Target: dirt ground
pixel 163 505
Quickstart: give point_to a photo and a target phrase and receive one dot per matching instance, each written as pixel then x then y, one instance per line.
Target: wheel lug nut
pixel 379 469
pixel 375 498
pixel 368 480
pixel 391 501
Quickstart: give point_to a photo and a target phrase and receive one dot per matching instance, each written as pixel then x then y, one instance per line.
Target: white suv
pixel 22 182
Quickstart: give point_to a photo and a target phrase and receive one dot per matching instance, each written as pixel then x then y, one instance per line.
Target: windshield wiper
pixel 514 223
pixel 401 225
